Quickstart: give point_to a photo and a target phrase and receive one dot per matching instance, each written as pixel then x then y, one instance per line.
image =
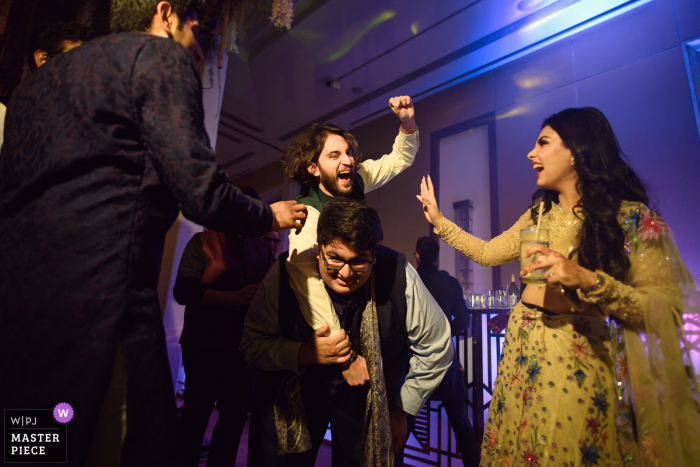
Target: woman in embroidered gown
pixel 575 388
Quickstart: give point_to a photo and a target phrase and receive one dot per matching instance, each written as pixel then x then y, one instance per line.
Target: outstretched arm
pixel 171 120
pixel 501 249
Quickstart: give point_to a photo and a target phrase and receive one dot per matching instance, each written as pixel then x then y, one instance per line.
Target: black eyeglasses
pixel 276 241
pixel 356 265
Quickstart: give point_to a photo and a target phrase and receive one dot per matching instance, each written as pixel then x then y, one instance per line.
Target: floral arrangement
pixel 222 22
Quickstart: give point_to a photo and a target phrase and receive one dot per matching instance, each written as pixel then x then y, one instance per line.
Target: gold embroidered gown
pixel 582 390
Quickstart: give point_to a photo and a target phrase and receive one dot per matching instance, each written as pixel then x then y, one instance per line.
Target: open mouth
pixel 538 167
pixel 345 176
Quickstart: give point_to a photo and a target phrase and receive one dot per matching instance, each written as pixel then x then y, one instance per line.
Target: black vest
pixel 390 290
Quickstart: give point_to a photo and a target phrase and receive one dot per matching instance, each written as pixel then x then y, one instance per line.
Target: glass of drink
pixel 528 239
pixel 501 298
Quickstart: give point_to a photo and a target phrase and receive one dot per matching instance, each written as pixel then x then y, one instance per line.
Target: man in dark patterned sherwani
pixel 104 145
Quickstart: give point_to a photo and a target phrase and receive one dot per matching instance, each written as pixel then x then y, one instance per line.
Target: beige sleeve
pixel 654 269
pixel 376 173
pixel 304 278
pixel 502 249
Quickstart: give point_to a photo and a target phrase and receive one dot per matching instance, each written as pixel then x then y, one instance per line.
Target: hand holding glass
pixel 528 239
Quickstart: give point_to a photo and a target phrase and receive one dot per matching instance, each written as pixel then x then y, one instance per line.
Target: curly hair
pixel 306 148
pixel 52 37
pixel 354 223
pixel 137 15
pixel 604 181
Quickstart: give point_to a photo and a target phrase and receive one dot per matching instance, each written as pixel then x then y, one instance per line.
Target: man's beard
pixel 329 181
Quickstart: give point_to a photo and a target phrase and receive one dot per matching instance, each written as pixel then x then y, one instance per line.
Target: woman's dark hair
pixel 354 223
pixel 51 39
pixel 305 149
pixel 136 15
pixel 604 181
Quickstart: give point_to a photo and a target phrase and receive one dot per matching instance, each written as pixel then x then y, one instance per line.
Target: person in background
pixel 56 38
pixel 216 281
pixel 53 39
pixel 447 292
pixel 401 340
pixel 104 146
pixel 572 389
pixel 272 239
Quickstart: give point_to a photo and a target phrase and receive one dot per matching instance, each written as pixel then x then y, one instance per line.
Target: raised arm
pixel 502 249
pixel 376 173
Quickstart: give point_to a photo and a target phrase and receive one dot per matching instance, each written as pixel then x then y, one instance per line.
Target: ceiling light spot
pixel 525 5
pixel 382 17
pixel 414 28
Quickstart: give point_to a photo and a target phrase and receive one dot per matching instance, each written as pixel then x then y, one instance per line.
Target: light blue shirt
pixel 428 334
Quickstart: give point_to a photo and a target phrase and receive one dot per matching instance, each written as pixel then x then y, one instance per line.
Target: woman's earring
pixel 572 161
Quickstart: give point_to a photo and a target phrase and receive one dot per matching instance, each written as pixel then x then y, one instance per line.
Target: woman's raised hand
pixel 430 207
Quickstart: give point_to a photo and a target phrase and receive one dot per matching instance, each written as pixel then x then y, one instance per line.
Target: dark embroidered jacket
pixel 103 146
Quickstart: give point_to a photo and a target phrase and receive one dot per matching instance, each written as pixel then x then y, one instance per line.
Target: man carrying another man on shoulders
pixel 326 161
pixel 389 319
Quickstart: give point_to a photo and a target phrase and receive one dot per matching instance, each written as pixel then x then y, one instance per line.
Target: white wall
pixel 464 174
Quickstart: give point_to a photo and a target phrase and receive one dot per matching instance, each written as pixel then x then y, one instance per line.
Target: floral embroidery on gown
pixel 554 395
pixel 581 390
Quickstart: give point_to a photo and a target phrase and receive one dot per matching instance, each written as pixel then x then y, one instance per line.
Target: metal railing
pixel 479 351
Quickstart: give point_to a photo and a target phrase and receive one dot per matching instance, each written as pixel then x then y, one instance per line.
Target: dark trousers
pixel 324 403
pixel 226 380
pixel 462 428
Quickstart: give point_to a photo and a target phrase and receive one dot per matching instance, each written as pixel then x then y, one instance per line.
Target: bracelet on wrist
pixel 599 281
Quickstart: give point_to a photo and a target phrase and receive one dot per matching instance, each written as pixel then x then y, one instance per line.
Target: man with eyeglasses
pixel 272 239
pixel 400 345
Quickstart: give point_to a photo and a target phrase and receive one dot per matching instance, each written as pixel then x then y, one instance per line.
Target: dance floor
pixel 323 459
pixel 324 454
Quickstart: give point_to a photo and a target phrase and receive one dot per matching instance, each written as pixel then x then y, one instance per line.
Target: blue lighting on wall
pixel 691 51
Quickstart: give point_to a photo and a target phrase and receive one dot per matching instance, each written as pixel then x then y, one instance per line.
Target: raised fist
pixel 402 106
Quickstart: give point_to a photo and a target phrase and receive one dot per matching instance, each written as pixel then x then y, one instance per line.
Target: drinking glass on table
pixel 501 299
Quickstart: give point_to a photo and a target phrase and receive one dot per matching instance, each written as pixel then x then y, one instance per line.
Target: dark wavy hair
pixel 305 149
pixel 137 15
pixel 604 181
pixel 354 223
pixel 51 39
